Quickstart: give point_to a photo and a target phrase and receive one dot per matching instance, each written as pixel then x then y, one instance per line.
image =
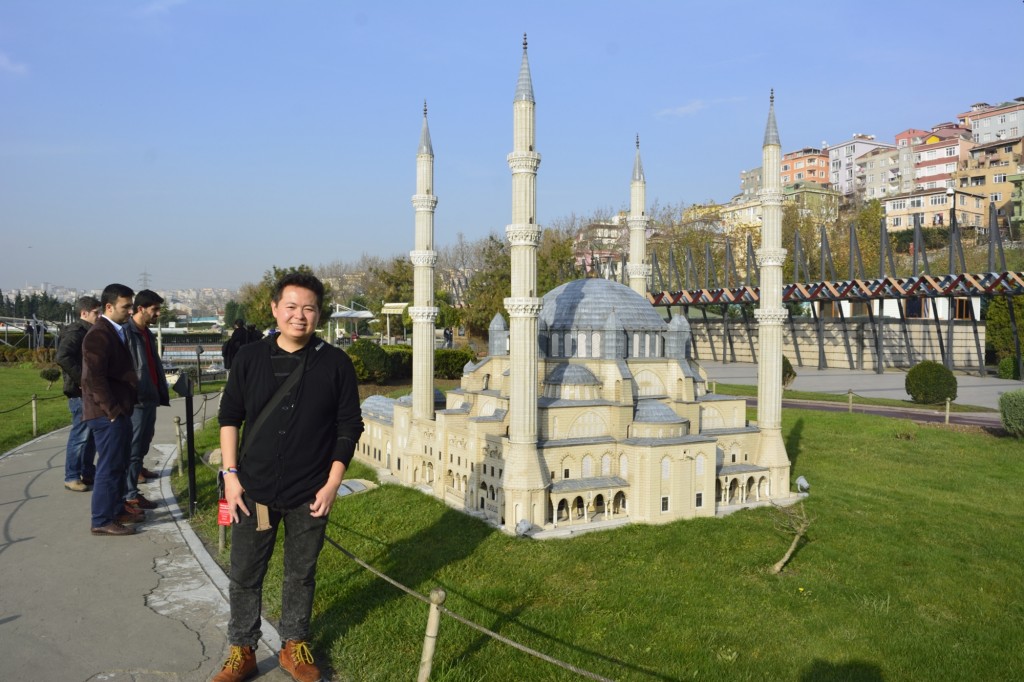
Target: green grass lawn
pixel 17 385
pixel 912 571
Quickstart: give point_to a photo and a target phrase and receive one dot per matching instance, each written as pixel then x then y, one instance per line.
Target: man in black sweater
pixel 299 401
pixel 79 462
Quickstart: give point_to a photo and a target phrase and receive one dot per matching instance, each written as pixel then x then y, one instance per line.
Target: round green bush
pixel 1007 368
pixel 930 382
pixel 448 362
pixel 1011 411
pixel 788 373
pixel 374 358
pixel 50 374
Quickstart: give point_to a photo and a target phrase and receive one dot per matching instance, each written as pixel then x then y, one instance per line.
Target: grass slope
pixel 911 572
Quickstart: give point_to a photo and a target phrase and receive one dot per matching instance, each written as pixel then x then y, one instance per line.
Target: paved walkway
pixel 143 608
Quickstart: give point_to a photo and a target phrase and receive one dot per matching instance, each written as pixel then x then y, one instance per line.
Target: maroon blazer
pixel 108 374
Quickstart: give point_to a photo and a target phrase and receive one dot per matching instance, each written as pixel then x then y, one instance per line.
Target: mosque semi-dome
pixel 587 304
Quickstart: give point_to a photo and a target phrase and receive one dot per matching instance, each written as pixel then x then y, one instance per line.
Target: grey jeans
pixel 250 555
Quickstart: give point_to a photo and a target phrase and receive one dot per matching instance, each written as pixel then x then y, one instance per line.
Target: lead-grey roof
pixel 771 131
pixel 524 86
pixel 655 412
pixel 571 485
pixel 585 304
pixel 379 407
pixel 638 167
pixel 425 146
pixel 565 374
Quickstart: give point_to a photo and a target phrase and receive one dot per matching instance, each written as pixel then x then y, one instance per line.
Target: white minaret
pixel 525 478
pixel 637 221
pixel 423 311
pixel 770 314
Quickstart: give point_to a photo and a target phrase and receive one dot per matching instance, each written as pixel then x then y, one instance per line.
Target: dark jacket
pixel 108 375
pixel 320 422
pixel 69 357
pixel 148 393
pixel 239 338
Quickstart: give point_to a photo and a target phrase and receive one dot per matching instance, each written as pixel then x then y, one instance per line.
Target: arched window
pixel 595 345
pixel 623 466
pixel 700 465
pixel 581 345
pixel 606 465
pixel 588 466
pixel 666 469
pixel 568 345
pixel 636 344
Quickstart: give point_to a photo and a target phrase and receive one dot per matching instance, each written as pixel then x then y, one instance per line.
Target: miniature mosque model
pixel 588 410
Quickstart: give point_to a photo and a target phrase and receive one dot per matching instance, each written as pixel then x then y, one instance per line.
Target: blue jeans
pixel 79 461
pixel 143 426
pixel 113 442
pixel 250 555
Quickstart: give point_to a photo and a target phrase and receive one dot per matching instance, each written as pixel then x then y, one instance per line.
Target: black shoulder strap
pixel 275 401
pixel 272 404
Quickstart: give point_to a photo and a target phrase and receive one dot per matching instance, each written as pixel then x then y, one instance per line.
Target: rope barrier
pixel 448 612
pixel 465 621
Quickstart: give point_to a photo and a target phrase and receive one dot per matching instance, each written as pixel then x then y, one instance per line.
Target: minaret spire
pixel 527 480
pixel 423 311
pixel 771 314
pixel 524 86
pixel 637 268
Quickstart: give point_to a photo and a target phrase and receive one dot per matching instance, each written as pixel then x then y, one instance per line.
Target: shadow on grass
pixel 854 671
pixel 793 443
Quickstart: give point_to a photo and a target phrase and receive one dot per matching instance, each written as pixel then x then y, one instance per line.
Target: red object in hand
pixel 223 514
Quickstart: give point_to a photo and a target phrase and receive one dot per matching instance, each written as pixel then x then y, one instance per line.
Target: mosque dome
pixel 571 375
pixel 571 382
pixel 587 304
pixel 655 412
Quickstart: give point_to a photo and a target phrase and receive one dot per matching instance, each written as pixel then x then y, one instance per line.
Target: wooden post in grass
pixel 947 411
pixel 35 416
pixel 849 400
pixel 177 433
pixel 437 597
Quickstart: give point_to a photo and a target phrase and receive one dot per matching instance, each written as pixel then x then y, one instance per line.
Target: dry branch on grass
pixel 793 520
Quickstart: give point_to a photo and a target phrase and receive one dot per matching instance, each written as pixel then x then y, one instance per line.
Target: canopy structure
pixel 343 314
pixel 389 309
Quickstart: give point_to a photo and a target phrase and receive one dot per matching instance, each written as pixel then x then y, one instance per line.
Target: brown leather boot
pixel 241 665
pixel 297 659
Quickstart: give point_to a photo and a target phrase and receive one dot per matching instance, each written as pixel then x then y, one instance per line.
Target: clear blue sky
pixel 204 141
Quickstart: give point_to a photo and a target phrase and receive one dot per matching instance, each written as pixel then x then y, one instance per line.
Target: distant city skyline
pixel 205 142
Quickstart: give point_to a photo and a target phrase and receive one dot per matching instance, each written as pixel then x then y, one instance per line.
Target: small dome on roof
pixel 571 375
pixel 655 412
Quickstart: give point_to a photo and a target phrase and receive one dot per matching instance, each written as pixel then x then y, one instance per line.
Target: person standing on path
pixel 298 398
pixel 79 467
pixel 152 392
pixel 108 397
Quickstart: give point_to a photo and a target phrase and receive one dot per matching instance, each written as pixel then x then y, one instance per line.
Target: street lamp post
pixel 199 370
pixel 953 236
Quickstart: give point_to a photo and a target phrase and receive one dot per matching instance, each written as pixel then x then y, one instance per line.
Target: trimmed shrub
pixel 788 373
pixel 399 361
pixel 50 375
pixel 1007 368
pixel 1011 411
pixel 448 362
pixel 930 382
pixel 374 358
pixel 362 376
